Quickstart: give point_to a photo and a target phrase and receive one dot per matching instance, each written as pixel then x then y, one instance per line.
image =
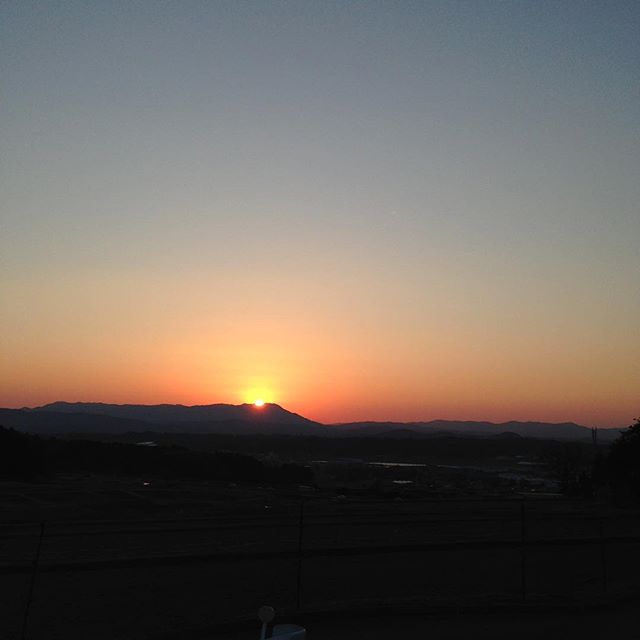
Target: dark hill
pixel 544 430
pixel 398 434
pixel 176 413
pixel 56 422
pixel 30 456
pixel 97 417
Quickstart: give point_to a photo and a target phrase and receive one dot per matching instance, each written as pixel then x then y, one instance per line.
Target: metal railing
pixel 299 539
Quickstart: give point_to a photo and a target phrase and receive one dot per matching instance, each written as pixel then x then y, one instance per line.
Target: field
pixel 133 558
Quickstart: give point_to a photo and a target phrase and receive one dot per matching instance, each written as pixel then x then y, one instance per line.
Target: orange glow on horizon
pixel 318 360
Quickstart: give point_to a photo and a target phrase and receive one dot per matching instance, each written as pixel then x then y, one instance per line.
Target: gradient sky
pixel 364 210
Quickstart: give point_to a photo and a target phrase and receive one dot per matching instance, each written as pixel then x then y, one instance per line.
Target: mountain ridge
pixel 271 418
pixel 527 429
pixel 171 413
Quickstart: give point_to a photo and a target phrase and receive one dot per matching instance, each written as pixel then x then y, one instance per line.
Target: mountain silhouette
pixel 175 413
pixel 98 417
pixel 51 422
pixel 545 430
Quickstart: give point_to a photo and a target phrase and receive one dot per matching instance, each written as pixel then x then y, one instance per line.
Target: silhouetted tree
pixel 571 463
pixel 21 455
pixel 623 464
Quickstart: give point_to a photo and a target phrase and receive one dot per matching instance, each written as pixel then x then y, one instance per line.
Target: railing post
pixel 32 583
pixel 299 573
pixel 603 556
pixel 523 551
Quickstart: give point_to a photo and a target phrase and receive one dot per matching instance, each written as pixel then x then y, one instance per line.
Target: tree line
pixel 25 456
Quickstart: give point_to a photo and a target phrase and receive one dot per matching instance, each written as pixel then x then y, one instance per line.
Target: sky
pixel 358 210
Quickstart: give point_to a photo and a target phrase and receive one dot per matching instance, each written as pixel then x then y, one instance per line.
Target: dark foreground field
pixel 620 622
pixel 124 559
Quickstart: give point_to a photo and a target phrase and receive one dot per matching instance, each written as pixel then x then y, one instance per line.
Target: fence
pixel 156 575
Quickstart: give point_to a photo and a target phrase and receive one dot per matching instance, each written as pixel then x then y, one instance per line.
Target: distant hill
pixel 545 430
pixel 406 434
pixel 27 456
pixel 174 413
pixel 46 422
pixel 97 417
pixel 509 435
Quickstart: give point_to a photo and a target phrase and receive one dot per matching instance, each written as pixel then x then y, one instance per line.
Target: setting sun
pixel 259 394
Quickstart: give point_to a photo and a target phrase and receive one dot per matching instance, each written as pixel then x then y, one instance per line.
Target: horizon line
pixel 327 424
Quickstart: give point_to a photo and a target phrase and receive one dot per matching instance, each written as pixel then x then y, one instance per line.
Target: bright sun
pixel 259 403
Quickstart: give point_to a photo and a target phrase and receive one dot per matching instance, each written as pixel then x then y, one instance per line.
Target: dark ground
pixel 124 560
pixel 618 622
pixel 138 556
